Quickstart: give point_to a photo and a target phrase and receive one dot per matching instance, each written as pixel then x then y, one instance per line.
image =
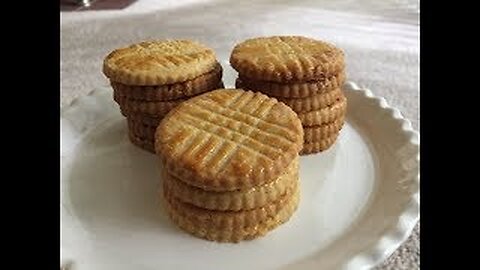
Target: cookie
pixel 325 115
pixel 287 59
pixel 159 62
pixel 142 143
pixel 229 139
pixel 203 83
pixel 318 133
pixel 152 108
pixel 313 103
pixel 235 200
pixel 319 146
pixel 227 219
pixel 141 130
pixel 145 119
pixel 293 90
pixel 196 221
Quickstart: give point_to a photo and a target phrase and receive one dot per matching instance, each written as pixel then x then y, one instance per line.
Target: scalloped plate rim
pixel 388 242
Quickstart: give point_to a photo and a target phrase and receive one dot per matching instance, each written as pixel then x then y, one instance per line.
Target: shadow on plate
pixel 115 185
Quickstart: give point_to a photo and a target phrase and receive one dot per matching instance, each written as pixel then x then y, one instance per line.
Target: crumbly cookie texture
pixel 286 58
pixel 152 108
pixel 196 220
pixel 318 133
pixel 167 92
pixel 314 102
pixel 236 200
pixel 159 62
pixel 325 115
pixel 229 139
pixel 292 89
pixel 319 146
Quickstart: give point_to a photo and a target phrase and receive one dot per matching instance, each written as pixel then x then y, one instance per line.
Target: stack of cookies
pixel 305 74
pixel 230 160
pixel 151 78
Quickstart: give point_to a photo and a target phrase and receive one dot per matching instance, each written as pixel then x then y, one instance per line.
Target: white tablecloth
pixel 380 39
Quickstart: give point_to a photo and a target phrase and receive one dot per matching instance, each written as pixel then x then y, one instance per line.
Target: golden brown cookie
pixel 229 139
pixel 235 200
pixel 153 108
pixel 319 146
pixel 203 83
pixel 313 103
pixel 293 90
pixel 227 219
pixel 325 115
pixel 149 109
pixel 287 58
pixel 318 133
pixel 197 221
pixel 141 142
pixel 159 62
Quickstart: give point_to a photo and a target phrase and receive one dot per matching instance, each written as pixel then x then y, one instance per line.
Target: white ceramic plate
pixel 360 199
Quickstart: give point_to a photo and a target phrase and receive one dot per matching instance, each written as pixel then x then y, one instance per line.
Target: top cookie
pixel 229 139
pixel 286 59
pixel 159 62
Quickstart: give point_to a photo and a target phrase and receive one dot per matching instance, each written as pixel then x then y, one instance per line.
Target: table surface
pixel 74 5
pixel 380 40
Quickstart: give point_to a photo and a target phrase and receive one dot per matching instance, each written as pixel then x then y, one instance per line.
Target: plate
pixel 359 201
